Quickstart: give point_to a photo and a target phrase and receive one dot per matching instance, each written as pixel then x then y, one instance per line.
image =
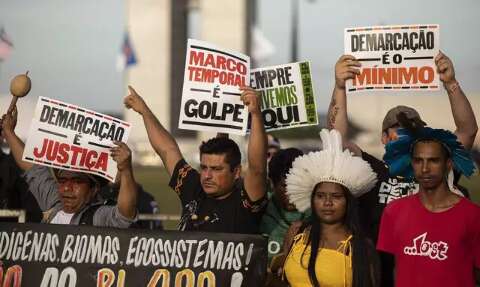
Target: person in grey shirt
pixel 72 197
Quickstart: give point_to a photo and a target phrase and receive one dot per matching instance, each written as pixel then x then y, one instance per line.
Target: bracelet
pixel 451 88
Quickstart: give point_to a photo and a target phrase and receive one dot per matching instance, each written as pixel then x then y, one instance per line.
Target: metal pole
pixel 294 40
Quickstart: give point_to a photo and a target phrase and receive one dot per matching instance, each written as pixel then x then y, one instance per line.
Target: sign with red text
pixel 287 98
pixel 69 137
pixel 211 95
pixel 44 255
pixel 395 58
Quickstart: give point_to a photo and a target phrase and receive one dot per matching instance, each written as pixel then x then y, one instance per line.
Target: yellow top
pixel 333 267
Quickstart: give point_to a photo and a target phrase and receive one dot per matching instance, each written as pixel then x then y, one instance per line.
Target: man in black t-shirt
pixel 235 213
pixel 215 198
pixel 390 187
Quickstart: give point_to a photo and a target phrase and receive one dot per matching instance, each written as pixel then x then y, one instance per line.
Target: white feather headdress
pixel 332 164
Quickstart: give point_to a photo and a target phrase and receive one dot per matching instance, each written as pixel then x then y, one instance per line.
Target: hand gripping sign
pixel 68 137
pixel 211 95
pixel 287 98
pixel 399 58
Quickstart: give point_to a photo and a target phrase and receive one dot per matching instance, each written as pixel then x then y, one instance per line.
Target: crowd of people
pixel 334 217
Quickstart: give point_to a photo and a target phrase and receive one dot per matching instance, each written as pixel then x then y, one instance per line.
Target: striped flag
pixel 6 45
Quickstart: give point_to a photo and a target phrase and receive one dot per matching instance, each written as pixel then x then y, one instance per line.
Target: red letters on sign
pixel 398 75
pixel 62 153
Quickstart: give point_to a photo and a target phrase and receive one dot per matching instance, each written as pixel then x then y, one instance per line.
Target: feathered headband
pixel 398 153
pixel 332 164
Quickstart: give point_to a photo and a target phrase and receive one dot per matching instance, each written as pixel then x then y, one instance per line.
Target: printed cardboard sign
pixel 69 137
pixel 211 95
pixel 287 98
pixel 395 58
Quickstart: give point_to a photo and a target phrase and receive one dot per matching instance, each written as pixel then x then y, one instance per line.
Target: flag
pixel 261 48
pixel 5 45
pixel 127 56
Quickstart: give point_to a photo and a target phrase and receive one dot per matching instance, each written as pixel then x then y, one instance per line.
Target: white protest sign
pixel 69 137
pixel 399 58
pixel 287 98
pixel 211 95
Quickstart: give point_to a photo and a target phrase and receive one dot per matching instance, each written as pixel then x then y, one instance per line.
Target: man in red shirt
pixel 434 234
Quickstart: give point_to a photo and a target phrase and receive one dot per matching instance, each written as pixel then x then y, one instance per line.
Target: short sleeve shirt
pixel 387 189
pixel 233 214
pixel 431 249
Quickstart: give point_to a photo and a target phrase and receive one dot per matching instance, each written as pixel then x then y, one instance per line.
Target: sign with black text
pixel 398 58
pixel 211 95
pixel 60 255
pixel 69 137
pixel 287 98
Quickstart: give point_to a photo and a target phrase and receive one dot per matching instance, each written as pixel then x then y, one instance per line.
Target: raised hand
pixel 445 69
pixel 9 121
pixel 122 155
pixel 250 98
pixel 134 101
pixel 345 68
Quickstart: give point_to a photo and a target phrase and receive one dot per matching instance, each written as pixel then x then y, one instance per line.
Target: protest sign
pixel 211 95
pixel 69 137
pixel 394 57
pixel 61 255
pixel 287 98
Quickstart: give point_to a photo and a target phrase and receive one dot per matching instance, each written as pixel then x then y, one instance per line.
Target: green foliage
pixel 155 181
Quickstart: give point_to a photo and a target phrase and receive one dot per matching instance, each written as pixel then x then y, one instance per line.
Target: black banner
pixel 59 255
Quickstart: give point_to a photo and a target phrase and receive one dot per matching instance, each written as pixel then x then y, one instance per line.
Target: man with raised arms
pixel 216 198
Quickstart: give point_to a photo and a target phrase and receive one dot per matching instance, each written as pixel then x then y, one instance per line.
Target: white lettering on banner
pixel 41 247
pixel 51 278
pixel 90 249
pixel 422 247
pixel 67 258
pixel 186 253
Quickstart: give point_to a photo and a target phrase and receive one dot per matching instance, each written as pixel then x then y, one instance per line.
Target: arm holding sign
pixel 461 109
pixel 9 121
pixel 41 183
pixel 256 175
pixel 345 68
pixel 127 196
pixel 160 139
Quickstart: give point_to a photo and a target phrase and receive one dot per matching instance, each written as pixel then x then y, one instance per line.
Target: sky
pixel 71 47
pixel 322 24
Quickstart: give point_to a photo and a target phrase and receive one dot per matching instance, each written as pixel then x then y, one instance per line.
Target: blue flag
pixel 127 56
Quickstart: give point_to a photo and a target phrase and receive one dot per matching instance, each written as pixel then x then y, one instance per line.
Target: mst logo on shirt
pixel 422 247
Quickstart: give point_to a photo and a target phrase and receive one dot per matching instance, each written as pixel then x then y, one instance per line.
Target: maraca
pixel 19 88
